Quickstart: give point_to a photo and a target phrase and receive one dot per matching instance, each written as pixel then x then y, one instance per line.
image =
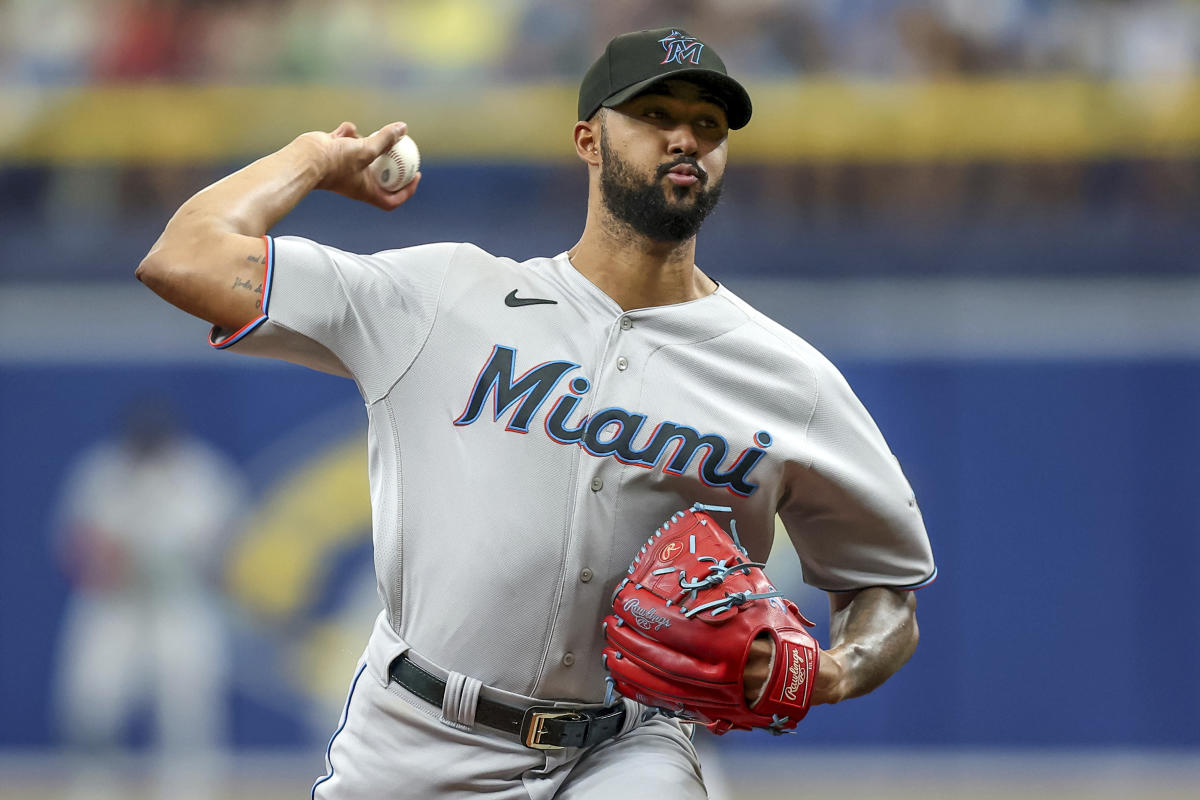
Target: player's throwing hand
pixel 345 158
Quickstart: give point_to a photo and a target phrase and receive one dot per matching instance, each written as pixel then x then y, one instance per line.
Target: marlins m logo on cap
pixel 680 46
pixel 630 65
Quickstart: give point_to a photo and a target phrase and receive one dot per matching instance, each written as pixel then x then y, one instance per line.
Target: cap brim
pixel 730 92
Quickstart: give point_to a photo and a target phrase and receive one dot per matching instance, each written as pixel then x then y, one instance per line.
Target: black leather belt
pixel 539 727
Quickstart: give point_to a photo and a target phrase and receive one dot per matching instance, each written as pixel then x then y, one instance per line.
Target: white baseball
pixel 396 168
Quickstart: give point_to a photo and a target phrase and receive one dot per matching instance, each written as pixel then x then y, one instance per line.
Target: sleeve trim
pixel 216 336
pixel 905 588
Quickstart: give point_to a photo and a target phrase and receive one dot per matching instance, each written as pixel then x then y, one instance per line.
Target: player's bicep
pixel 850 512
pixel 219 278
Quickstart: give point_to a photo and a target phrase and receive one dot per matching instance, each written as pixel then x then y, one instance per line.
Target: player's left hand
pixel 827 686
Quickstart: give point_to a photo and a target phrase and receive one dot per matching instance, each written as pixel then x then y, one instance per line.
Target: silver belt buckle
pixel 533 725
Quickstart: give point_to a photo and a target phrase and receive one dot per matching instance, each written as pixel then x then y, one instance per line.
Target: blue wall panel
pixel 1060 496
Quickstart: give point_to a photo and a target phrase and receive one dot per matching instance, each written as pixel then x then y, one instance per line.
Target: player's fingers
pixel 758 666
pixel 346 130
pixel 390 200
pixel 378 142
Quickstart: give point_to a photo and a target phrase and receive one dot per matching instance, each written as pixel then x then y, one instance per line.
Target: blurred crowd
pixel 72 42
pixel 452 44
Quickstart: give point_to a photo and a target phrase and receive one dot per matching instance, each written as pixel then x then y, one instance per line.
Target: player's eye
pixel 711 127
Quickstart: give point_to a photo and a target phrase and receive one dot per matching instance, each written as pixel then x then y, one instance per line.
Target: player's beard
pixel 642 204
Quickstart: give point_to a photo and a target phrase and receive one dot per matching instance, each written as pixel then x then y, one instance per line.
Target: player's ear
pixel 587 140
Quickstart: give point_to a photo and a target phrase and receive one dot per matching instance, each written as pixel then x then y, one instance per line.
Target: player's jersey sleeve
pixel 359 316
pixel 851 513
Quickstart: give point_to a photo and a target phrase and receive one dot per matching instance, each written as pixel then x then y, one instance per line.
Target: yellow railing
pixel 1055 118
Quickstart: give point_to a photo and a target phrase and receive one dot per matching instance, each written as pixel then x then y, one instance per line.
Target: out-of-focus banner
pixel 821 119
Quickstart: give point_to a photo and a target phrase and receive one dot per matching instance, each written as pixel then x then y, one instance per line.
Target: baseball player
pixel 531 423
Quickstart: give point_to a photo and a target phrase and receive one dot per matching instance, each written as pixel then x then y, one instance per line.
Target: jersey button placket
pixel 623 362
pixel 599 480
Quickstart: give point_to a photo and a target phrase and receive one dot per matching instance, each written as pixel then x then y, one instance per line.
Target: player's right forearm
pixel 209 259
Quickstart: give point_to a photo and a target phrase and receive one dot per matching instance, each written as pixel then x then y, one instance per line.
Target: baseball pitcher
pixel 576 461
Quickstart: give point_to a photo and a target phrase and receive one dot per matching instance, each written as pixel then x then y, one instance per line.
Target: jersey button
pixel 585 575
pixel 568 659
pixel 597 484
pixel 622 363
pixel 626 323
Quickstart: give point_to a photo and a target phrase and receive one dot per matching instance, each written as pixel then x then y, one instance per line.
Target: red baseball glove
pixel 684 620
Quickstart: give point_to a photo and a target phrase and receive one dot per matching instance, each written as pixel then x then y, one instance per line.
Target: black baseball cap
pixel 633 62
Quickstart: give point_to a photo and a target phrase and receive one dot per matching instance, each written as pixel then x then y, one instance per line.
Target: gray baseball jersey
pixel 520 451
pixel 527 434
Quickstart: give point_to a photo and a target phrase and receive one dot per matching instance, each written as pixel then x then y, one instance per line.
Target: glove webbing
pixel 719 571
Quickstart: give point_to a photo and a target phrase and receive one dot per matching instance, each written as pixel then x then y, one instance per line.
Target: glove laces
pixel 718 571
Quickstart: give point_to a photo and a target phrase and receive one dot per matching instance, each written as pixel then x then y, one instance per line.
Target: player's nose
pixel 682 140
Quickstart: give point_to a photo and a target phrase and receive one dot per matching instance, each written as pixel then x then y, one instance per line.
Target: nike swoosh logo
pixel 512 301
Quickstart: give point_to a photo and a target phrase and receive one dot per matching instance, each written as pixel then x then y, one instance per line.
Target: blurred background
pixel 984 211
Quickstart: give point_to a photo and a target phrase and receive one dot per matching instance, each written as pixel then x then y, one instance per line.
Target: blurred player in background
pixel 143 523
